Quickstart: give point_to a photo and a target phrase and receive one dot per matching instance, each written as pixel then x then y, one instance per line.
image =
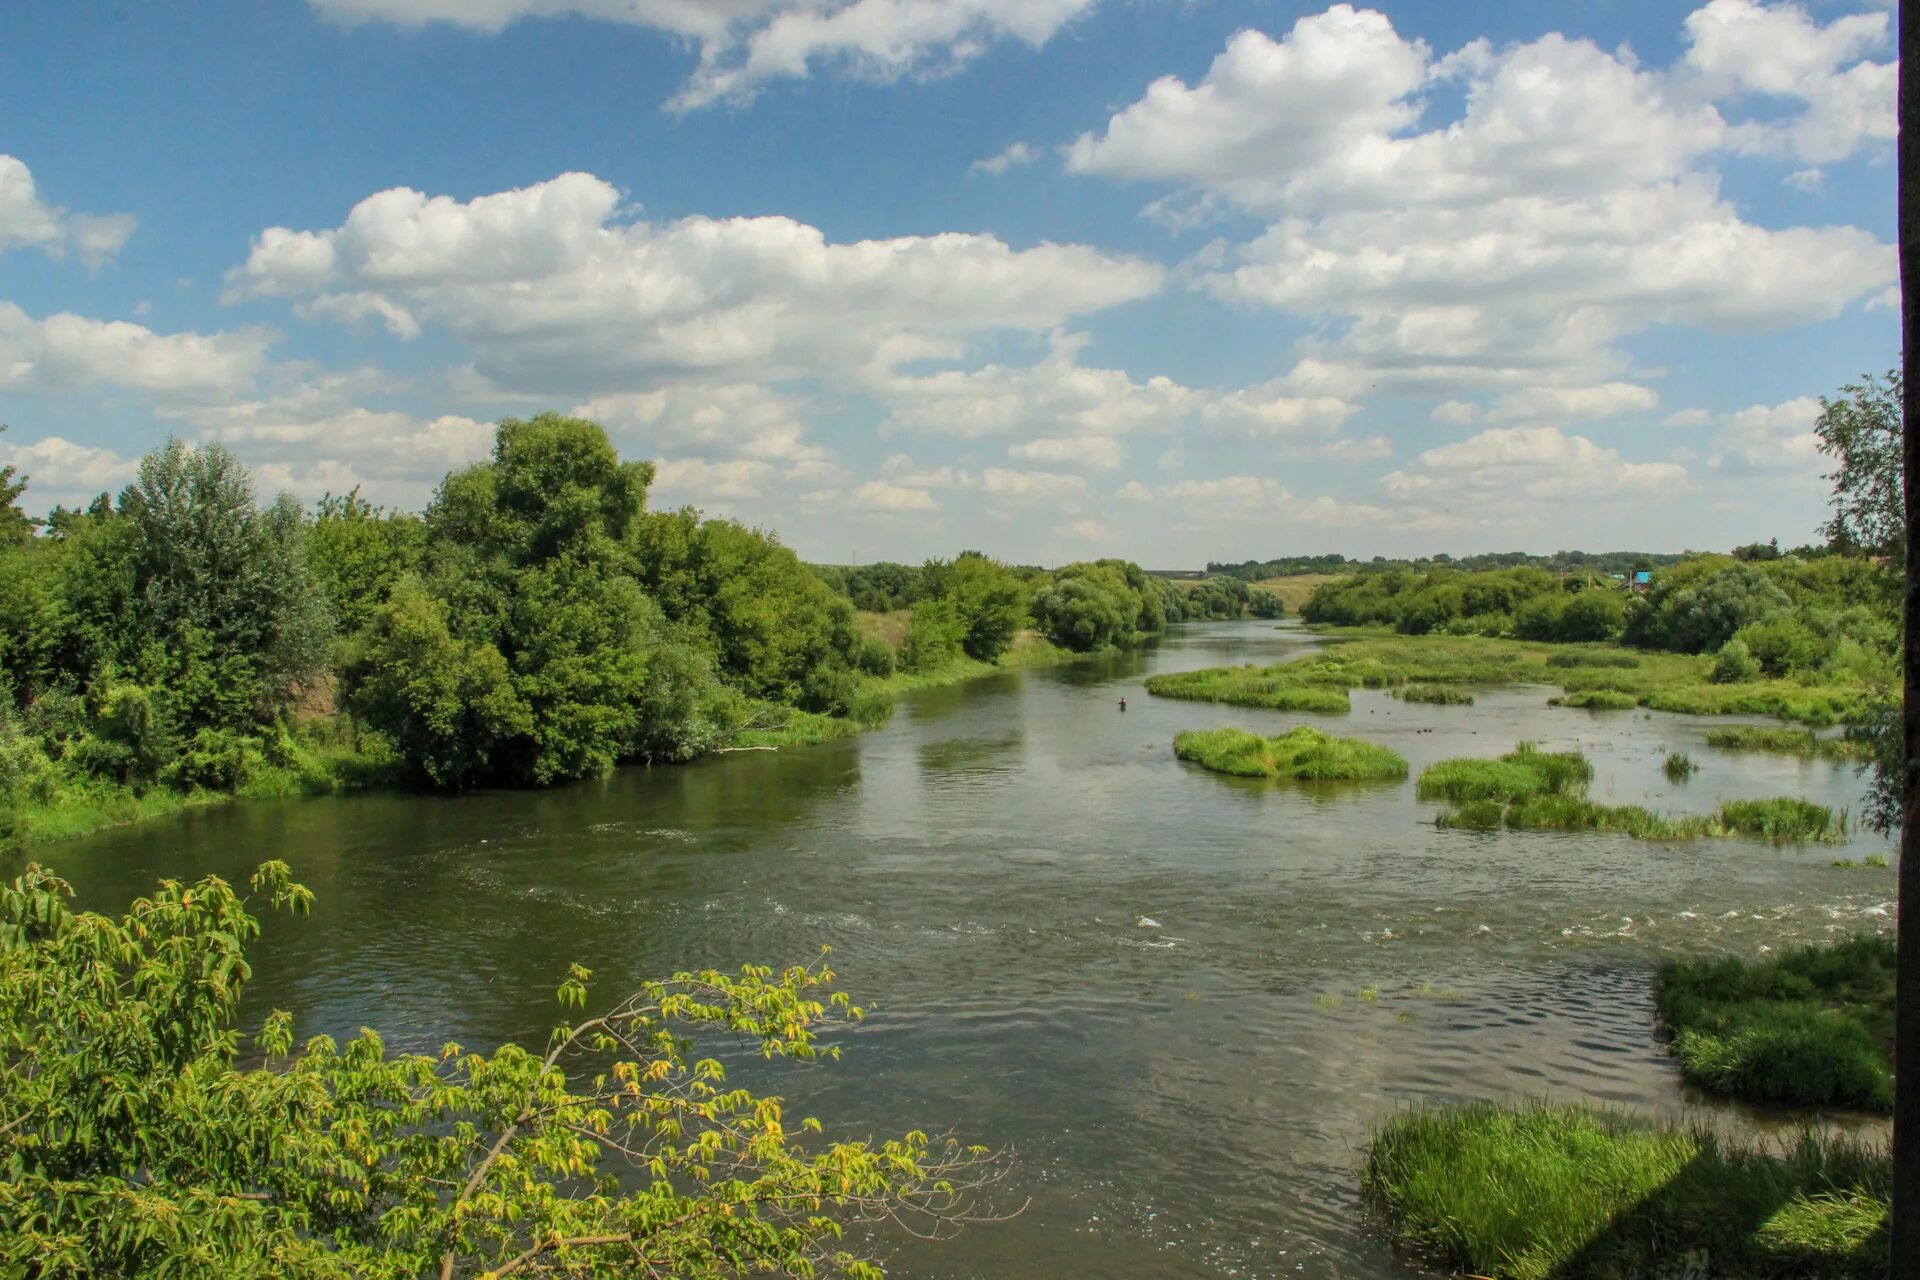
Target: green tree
pixel 217 583
pixel 449 704
pixel 1862 433
pixel 15 524
pixel 1698 606
pixel 521 656
pixel 988 598
pixel 934 634
pixel 1087 607
pixel 357 552
pixel 778 631
pixel 133 1141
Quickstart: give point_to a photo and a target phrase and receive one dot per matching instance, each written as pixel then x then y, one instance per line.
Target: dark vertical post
pixel 1906 1037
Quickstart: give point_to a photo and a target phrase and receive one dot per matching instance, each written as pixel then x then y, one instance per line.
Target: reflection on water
pixel 1148 978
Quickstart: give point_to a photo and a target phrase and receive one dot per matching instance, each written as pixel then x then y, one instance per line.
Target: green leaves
pixel 132 1142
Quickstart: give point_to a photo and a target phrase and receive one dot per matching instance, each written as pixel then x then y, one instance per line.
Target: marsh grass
pixel 1596 700
pixel 1524 771
pixel 1813 1026
pixel 1305 754
pixel 1679 766
pixel 1781 740
pixel 1249 687
pixel 1533 790
pixel 1531 1191
pixel 1438 694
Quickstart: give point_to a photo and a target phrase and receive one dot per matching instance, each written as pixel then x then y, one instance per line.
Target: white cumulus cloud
pixel 26 219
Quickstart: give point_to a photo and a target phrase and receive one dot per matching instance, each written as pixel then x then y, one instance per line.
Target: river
pixel 1152 982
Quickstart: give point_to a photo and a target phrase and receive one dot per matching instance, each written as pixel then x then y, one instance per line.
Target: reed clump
pixel 1438 694
pixel 1782 740
pixel 1813 1026
pixel 1304 754
pixel 1596 700
pixel 1533 790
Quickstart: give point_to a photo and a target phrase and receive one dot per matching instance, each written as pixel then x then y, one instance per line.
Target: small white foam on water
pixel 1689 915
pixel 1146 922
pixel 671 833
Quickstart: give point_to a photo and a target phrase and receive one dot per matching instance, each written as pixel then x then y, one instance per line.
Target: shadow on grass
pixel 1814 1211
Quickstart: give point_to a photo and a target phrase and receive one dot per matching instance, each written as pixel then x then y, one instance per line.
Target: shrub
pixel 1596 614
pixel 142 1143
pixel 1782 645
pixel 216 760
pixel 1734 664
pixel 876 657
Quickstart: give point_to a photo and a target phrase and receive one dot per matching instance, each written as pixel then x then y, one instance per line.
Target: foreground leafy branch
pixel 133 1141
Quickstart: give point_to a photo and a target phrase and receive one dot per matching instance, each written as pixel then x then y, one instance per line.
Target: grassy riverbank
pixel 1605 676
pixel 1787 742
pixel 1529 1192
pixel 1305 754
pixel 1532 790
pixel 320 757
pixel 1813 1026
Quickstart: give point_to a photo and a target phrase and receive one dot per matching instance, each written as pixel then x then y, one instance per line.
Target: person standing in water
pixel 1123 704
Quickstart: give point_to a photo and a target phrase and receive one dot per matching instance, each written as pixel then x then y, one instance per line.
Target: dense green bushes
pixel 1530 1192
pixel 1104 604
pixel 1813 1025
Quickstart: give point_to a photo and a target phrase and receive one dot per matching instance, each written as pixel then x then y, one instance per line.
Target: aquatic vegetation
pixel 1780 818
pixel 1329 1001
pixel 1785 741
pixel 1812 1026
pixel 1304 753
pixel 1248 687
pixel 1438 694
pixel 1679 766
pixel 1368 995
pixel 1532 1191
pixel 1533 790
pixel 1876 860
pixel 1524 771
pixel 1782 699
pixel 1596 700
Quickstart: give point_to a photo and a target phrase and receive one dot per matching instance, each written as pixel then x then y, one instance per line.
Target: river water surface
pixel 1182 999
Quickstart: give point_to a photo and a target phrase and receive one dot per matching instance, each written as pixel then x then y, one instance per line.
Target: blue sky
pixel 1049 278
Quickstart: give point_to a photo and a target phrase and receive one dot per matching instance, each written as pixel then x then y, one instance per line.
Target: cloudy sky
pixel 1168 279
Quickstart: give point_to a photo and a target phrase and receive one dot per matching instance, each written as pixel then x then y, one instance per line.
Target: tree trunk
pixel 1906 1089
